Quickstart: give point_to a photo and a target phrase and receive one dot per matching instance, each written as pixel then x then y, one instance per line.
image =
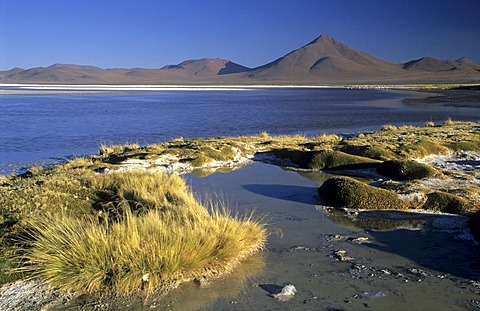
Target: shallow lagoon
pixel 45 128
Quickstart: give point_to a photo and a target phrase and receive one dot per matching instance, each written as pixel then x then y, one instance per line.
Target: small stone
pixel 287 293
pixel 340 255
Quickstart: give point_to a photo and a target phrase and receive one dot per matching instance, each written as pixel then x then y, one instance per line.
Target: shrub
pixel 405 170
pixel 346 192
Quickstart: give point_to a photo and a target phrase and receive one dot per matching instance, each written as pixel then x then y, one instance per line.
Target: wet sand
pixel 401 269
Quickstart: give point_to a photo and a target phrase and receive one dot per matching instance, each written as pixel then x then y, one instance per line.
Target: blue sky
pixel 154 33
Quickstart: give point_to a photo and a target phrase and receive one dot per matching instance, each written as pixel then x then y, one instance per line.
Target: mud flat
pixel 406 264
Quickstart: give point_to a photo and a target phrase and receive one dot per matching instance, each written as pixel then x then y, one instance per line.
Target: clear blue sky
pixel 154 33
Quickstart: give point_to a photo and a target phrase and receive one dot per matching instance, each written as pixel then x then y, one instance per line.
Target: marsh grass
pixel 153 235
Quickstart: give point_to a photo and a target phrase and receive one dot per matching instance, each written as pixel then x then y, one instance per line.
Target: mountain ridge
pixel 323 60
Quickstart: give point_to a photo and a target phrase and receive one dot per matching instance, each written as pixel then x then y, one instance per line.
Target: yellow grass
pixel 154 236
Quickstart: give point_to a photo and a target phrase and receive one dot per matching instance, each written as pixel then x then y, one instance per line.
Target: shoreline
pixel 48 89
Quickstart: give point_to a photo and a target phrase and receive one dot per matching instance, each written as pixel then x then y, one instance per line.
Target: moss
pixel 6 276
pixel 405 170
pixel 349 193
pixel 464 146
pixel 337 160
pixel 448 203
pixel 326 159
pixel 369 151
pixel 422 148
pixel 200 160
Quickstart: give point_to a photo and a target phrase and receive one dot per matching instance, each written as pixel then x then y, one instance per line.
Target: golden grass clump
pixel 389 128
pixel 106 150
pixel 264 135
pixel 328 138
pixel 169 240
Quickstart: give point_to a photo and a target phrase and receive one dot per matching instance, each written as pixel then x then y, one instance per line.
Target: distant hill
pixel 325 60
pixel 206 67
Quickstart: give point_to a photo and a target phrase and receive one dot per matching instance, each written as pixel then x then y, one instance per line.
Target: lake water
pixel 48 127
pixel 400 269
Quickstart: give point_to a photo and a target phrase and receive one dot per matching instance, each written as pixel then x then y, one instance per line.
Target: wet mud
pixel 408 264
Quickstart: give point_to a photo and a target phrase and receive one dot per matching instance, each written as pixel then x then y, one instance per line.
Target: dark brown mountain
pixel 322 61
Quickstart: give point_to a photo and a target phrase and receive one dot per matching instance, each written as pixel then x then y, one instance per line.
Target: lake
pixel 43 128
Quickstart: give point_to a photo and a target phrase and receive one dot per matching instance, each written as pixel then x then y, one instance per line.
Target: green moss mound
pixel 346 192
pixel 448 203
pixel 465 146
pixel 372 152
pixel 422 148
pixel 405 170
pixel 325 159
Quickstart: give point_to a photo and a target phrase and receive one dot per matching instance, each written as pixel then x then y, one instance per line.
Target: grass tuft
pixel 149 233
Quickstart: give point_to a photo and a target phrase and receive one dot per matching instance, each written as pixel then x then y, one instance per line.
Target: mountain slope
pixel 326 58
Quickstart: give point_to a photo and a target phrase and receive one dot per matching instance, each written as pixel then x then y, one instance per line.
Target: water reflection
pixel 192 296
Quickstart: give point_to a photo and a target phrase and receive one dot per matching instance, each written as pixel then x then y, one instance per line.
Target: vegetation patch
pixel 405 170
pixel 346 192
pixel 118 232
pixel 326 159
pixel 422 148
pixel 448 203
pixel 372 152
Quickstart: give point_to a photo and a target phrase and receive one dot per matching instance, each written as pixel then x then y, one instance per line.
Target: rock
pixel 372 294
pixel 287 293
pixel 341 255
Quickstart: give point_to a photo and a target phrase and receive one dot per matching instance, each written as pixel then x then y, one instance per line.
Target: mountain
pixel 325 60
pixel 207 67
pixel 430 64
